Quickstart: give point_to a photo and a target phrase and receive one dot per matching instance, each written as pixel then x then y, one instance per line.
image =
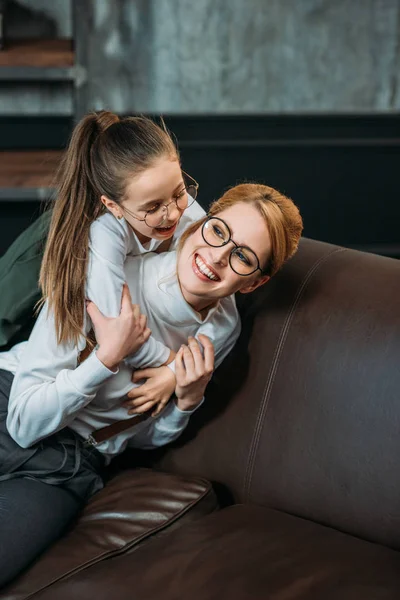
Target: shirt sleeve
pixel 163 429
pixel 108 249
pixel 49 387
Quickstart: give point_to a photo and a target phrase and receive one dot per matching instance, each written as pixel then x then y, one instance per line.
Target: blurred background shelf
pixel 27 175
pixel 38 60
pixel 38 53
pixel 301 113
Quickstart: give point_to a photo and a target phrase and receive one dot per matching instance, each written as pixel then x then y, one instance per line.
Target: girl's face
pixel 145 194
pixel 204 271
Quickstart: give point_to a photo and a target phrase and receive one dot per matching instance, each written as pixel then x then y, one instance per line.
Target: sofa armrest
pixel 133 507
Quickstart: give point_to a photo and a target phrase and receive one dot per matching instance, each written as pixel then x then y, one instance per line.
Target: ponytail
pixel 103 152
pixel 64 266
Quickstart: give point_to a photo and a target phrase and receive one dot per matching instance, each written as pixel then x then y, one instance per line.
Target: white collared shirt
pixel 50 391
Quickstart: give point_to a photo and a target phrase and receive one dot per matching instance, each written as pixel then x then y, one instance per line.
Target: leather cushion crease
pixel 244 552
pixel 134 506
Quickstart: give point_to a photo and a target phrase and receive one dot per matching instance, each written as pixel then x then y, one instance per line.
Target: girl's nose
pixel 173 212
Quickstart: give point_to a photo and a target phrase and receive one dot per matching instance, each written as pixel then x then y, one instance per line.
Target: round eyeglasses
pixel 216 233
pixel 158 214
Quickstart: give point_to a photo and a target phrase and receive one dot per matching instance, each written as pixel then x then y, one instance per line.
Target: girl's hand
pixel 193 372
pixel 120 336
pixel 157 389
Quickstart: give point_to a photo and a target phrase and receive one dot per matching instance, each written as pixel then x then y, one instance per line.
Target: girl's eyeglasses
pixel 157 215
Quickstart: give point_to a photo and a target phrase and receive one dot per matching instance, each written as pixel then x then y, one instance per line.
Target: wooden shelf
pixel 38 53
pixel 27 175
pixel 37 60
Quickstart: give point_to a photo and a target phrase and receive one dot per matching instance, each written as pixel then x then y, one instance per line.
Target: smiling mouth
pixel 166 230
pixel 203 271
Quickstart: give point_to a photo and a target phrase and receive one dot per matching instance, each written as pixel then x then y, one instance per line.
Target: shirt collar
pixel 173 298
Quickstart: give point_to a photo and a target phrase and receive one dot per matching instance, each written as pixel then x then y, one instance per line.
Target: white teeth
pixel 204 269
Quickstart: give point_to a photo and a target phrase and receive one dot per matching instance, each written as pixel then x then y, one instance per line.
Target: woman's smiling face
pixel 204 272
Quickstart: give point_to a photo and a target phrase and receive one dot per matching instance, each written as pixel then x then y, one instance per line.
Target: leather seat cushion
pixel 132 508
pixel 244 553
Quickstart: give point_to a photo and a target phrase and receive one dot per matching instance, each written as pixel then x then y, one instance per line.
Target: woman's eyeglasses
pixel 216 233
pixel 157 215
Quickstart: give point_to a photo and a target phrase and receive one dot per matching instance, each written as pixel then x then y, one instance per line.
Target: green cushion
pixel 19 275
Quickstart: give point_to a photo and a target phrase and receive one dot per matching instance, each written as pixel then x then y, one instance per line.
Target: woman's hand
pixel 193 372
pixel 120 336
pixel 159 386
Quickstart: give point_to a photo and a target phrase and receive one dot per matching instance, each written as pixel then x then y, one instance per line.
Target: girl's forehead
pixel 157 178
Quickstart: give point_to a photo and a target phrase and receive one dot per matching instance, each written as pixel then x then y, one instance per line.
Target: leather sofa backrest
pixel 304 415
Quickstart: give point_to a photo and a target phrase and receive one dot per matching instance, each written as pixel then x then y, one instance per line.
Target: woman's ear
pixel 253 286
pixel 112 206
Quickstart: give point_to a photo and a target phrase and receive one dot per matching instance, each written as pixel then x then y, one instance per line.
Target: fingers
pixel 126 300
pixel 127 308
pixel 208 353
pixel 142 374
pixel 198 360
pixel 94 313
pixel 136 400
pixel 203 365
pixel 135 308
pixel 146 334
pixel 188 361
pixel 179 366
pixel 135 392
pixel 142 321
pixel 160 406
pixel 141 409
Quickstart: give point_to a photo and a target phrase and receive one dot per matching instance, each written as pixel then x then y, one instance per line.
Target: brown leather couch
pixel 300 437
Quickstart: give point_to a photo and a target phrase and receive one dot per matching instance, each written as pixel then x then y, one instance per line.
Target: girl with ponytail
pixel 120 191
pixel 52 444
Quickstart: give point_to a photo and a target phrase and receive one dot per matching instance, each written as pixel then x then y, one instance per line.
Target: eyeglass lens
pixel 183 200
pixel 242 260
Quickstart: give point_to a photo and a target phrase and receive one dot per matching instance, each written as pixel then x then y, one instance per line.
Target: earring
pixel 119 217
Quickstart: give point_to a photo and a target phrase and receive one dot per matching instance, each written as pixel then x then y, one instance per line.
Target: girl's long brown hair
pixel 281 216
pixel 103 153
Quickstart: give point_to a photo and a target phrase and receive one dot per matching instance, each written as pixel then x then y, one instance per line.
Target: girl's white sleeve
pixel 223 329
pixel 108 248
pixel 163 429
pixel 49 388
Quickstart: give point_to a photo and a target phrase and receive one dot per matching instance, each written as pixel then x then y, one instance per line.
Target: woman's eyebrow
pixel 150 203
pixel 233 237
pixel 249 247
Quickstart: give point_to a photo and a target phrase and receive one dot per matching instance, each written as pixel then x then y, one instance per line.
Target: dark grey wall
pixel 230 57
pixel 342 171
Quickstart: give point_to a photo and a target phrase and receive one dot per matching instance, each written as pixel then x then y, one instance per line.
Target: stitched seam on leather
pixel 274 368
pixel 149 533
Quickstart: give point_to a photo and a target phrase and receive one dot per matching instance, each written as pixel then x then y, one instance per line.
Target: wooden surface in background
pixel 37 53
pixel 34 169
